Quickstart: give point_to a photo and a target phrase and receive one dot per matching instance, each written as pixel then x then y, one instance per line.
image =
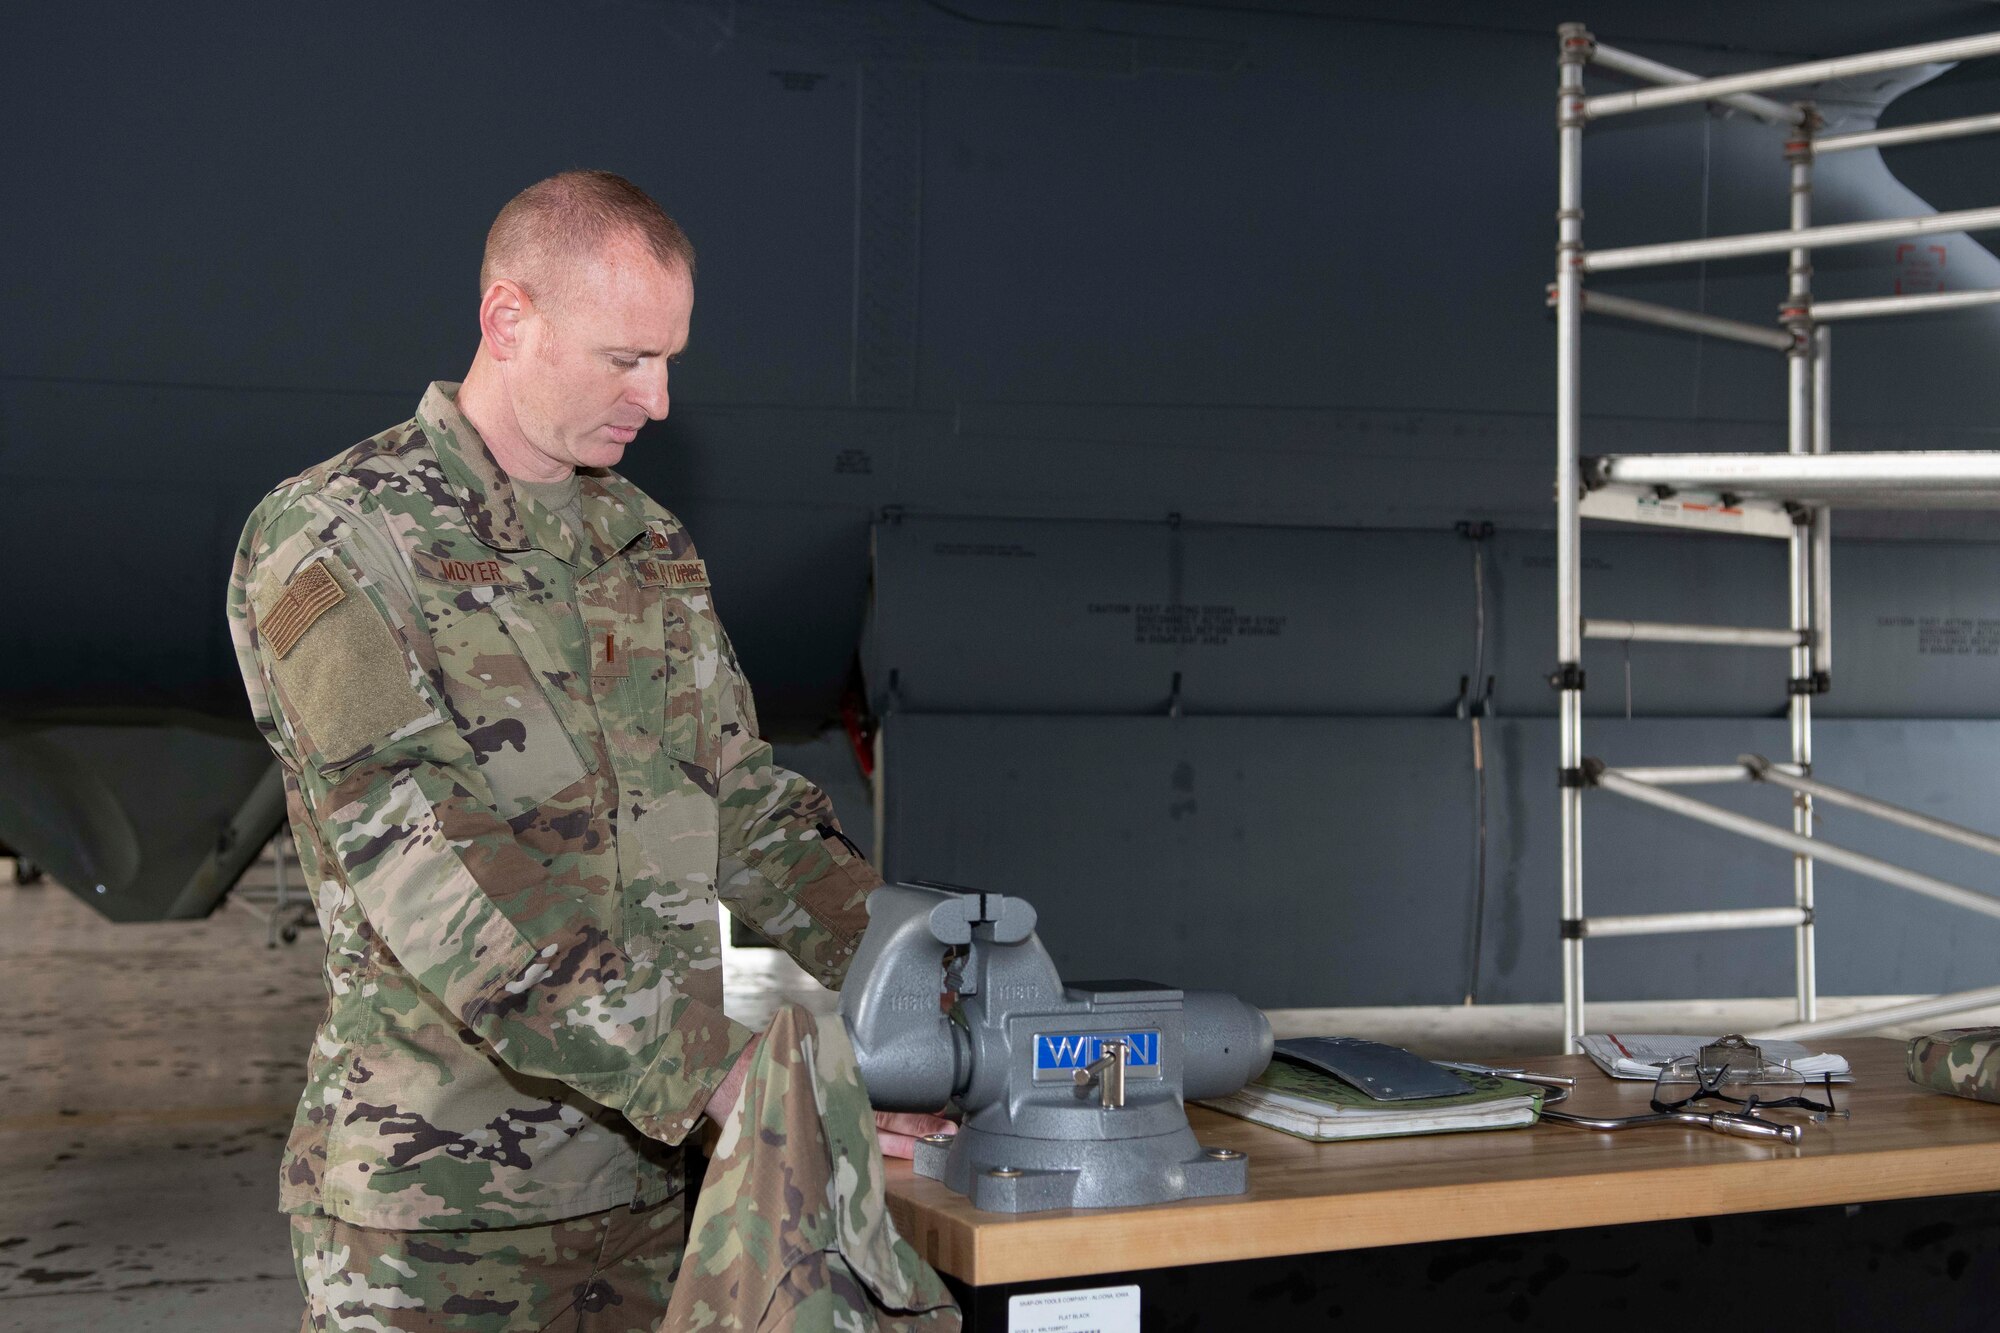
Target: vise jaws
pixel 1072 1095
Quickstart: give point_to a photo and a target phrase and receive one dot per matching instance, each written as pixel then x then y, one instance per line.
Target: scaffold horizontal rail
pixel 1692 923
pixel 1778 776
pixel 1659 631
pixel 1652 71
pixel 1928 886
pixel 1792 76
pixel 1910 303
pixel 1958 478
pixel 1692 512
pixel 1912 1011
pixel 1688 321
pixel 1693 775
pixel 1801 238
pixel 1930 130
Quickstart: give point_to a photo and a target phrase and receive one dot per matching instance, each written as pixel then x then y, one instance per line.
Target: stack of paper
pixel 1310 1104
pixel 1623 1055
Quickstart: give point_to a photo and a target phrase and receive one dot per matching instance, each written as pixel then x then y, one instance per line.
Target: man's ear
pixel 501 311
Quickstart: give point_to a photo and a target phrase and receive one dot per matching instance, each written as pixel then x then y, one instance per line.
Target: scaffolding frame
pixel 1788 497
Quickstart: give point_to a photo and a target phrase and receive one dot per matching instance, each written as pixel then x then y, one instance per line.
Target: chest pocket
pixel 503 679
pixel 691 655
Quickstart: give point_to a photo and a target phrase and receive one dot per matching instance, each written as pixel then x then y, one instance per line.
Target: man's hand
pixel 900 1130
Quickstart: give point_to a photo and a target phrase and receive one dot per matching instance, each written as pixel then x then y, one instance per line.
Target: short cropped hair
pixel 543 231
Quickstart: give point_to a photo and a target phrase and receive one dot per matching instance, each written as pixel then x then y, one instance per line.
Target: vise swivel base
pixel 1072 1095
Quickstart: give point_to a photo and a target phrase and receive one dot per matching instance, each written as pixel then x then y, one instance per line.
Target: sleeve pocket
pixel 838 899
pixel 343 680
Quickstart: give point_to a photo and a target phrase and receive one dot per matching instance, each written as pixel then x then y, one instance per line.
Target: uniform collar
pixel 504 517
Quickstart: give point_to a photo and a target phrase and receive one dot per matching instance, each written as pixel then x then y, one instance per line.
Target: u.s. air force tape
pixel 672 573
pixel 312 592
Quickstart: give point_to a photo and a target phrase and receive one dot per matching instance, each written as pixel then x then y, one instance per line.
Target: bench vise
pixel 1072 1095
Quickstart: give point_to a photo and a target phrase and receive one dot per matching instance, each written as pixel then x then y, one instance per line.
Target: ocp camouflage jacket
pixel 522 767
pixel 792 1231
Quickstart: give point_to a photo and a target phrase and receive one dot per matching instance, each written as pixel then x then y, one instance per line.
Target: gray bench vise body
pixel 1072 1095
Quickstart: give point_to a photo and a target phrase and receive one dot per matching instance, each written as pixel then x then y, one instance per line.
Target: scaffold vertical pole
pixel 1822 574
pixel 1575 47
pixel 1800 400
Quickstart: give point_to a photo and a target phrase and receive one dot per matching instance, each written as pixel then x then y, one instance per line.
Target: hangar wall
pixel 1232 853
pixel 1228 755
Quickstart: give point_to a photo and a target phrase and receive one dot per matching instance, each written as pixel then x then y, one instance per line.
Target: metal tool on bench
pixel 1722 1122
pixel 1072 1094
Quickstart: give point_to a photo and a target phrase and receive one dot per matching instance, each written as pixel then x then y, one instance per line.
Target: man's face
pixel 594 361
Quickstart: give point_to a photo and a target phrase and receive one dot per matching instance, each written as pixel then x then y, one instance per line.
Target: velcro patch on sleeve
pixel 348 689
pixel 672 573
pixel 312 592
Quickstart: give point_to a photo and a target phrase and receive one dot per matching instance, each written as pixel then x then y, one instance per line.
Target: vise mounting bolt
pixel 1072 1095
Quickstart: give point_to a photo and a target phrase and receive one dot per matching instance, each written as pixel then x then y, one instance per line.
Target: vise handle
pixel 1108 1072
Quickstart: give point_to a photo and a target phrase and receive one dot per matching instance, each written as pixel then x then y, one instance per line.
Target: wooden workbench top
pixel 1902 1142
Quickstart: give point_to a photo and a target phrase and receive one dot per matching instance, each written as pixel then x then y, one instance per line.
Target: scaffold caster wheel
pixel 301 919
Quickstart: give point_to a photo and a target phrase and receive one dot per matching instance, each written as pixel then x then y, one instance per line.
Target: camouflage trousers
pixel 608 1272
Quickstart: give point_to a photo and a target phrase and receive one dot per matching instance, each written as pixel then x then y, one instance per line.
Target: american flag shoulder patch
pixel 311 593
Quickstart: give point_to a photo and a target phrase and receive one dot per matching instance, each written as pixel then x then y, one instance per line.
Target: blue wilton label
pixel 1073 1050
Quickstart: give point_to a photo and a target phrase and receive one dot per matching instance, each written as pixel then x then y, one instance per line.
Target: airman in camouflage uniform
pixel 523 767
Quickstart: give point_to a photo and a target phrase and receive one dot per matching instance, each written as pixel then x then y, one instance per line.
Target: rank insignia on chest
pixel 481 573
pixel 672 573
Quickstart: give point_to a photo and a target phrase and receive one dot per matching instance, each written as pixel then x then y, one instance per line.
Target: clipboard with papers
pixel 1643 1055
